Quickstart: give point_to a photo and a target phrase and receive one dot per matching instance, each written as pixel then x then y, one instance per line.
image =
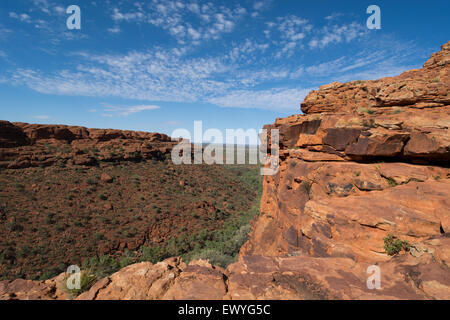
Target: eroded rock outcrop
pixel 367 159
pixel 25 145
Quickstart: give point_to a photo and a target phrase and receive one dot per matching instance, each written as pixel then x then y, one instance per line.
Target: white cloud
pixel 259 6
pixel 41 117
pixel 230 80
pixel 22 16
pixel 131 16
pixel 245 76
pixel 173 123
pixel 4 33
pixel 126 111
pixel 271 99
pixel 288 33
pixel 59 10
pixel 337 34
pixel 333 16
pixel 206 21
pixel 114 30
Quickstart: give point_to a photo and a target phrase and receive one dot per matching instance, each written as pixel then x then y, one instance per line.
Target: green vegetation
pixel 101 196
pixel 393 246
pixel 307 186
pixel 365 110
pixel 87 280
pixel 153 254
pixel 391 181
pixel 397 110
pixel 222 247
pixel 101 267
pixel 66 216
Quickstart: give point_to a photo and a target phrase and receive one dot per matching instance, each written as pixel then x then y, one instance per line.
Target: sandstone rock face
pixel 20 289
pixel 367 159
pixel 422 88
pixel 11 135
pixel 419 275
pixel 25 145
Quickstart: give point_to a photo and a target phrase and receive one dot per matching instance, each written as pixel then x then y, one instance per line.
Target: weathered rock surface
pixel 367 159
pixel 20 289
pixel 421 88
pixel 419 275
pixel 25 145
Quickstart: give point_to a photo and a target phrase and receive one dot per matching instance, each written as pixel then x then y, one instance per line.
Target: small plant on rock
pixel 393 246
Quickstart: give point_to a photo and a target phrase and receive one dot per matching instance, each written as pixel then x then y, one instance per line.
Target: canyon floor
pixel 363 184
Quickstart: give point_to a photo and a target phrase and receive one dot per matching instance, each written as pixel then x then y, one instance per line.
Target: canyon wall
pixel 24 145
pixel 366 158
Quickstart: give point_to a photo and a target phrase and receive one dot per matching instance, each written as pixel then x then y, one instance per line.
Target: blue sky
pixel 159 65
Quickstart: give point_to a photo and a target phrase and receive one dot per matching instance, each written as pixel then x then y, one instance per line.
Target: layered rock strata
pixel 25 145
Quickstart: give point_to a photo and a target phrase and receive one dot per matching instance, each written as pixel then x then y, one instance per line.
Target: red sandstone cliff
pixel 25 145
pixel 367 159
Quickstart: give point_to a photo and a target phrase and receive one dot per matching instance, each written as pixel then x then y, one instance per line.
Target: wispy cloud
pixel 264 69
pixel 210 21
pixel 42 117
pixel 289 32
pixel 21 16
pixel 169 76
pixel 259 6
pixel 114 30
pixel 337 34
pixel 126 111
pixel 4 32
pixel 271 99
pixel 172 123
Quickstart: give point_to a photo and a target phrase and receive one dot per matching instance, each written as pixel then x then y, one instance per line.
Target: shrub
pixel 391 182
pixel 101 266
pixel 49 218
pixel 393 246
pixel 215 257
pixel 91 181
pixel 307 186
pixel 87 280
pixel 14 226
pixel 99 236
pixel 397 110
pixel 153 254
pixel 19 187
pixel 365 110
pixel 101 196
